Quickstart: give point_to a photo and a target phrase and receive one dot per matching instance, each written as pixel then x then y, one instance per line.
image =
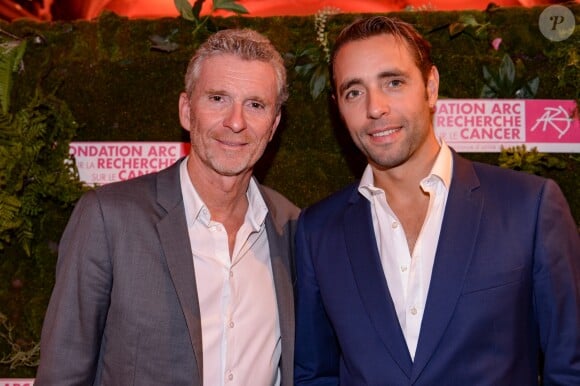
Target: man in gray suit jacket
pixel 183 277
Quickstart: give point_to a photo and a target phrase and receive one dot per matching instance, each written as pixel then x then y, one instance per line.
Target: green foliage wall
pixel 119 88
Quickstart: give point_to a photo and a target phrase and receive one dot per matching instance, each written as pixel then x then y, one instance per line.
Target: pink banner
pixel 16 382
pixel 467 125
pixel 487 125
pixel 105 162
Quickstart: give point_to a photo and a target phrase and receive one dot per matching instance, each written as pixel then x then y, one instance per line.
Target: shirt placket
pixel 222 254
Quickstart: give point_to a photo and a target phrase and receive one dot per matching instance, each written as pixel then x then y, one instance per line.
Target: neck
pixel 404 180
pixel 224 196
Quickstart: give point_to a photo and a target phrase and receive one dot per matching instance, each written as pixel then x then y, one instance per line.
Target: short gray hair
pixel 245 44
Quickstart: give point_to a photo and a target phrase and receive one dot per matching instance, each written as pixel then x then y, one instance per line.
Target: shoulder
pixel 502 174
pixel 167 181
pixel 493 178
pixel 133 188
pixel 507 187
pixel 142 193
pixel 332 206
pixel 280 207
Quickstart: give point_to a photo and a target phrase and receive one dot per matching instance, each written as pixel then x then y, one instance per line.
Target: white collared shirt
pixel 239 312
pixel 408 277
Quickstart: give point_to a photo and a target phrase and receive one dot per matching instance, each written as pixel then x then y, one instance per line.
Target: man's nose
pixel 235 119
pixel 378 104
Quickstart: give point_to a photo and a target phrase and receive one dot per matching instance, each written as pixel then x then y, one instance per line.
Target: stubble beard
pixel 228 163
pixel 394 154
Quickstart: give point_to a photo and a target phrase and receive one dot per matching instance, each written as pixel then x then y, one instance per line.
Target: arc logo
pixel 554 118
pixel 553 121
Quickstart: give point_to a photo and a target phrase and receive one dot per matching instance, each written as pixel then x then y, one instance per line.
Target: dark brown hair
pixel 362 29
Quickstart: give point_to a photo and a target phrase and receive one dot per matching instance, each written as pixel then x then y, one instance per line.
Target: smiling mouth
pixel 232 144
pixel 384 133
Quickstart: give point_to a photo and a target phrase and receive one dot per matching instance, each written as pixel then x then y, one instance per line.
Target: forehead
pixel 225 71
pixel 372 55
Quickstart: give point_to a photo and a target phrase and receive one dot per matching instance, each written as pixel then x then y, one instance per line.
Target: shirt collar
pixel 442 169
pixel 443 166
pixel 196 210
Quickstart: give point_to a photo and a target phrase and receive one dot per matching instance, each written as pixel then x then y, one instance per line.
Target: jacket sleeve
pixel 74 322
pixel 316 359
pixel 557 288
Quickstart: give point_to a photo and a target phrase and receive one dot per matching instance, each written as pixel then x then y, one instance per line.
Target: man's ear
pixel 275 124
pixel 184 111
pixel 433 86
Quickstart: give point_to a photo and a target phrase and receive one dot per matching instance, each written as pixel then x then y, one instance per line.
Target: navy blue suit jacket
pixel 505 286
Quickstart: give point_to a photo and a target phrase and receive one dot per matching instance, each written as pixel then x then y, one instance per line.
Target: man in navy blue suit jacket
pixel 432 270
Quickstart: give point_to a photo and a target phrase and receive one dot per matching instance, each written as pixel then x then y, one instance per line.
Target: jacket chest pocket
pixel 489 280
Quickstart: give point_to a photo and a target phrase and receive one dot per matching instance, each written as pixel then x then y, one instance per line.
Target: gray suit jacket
pixel 124 309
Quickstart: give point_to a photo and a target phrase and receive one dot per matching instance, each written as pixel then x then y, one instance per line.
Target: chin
pixel 230 170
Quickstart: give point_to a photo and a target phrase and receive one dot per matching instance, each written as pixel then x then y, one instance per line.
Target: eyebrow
pixel 255 98
pixel 345 86
pixel 213 91
pixel 382 75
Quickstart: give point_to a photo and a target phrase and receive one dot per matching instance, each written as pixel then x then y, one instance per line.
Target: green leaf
pixel 528 90
pixel 197 8
pixel 529 161
pixel 11 54
pixel 507 70
pixel 490 90
pixel 487 75
pixel 456 28
pixel 311 52
pixel 304 69
pixel 19 54
pixel 468 20
pixel 161 43
pixel 487 92
pixel 185 9
pixel 481 31
pixel 229 5
pixel 533 86
pixel 318 81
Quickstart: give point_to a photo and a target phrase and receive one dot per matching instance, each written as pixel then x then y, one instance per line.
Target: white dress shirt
pixel 239 313
pixel 409 275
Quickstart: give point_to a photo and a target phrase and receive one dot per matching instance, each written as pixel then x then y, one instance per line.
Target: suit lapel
pixel 284 298
pixel 280 239
pixel 367 269
pixel 454 252
pixel 175 244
